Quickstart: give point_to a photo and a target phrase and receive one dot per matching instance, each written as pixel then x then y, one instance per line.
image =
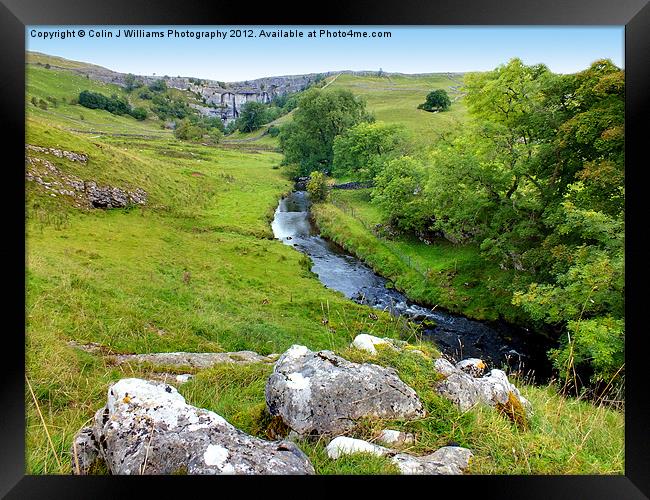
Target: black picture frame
pixel 16 14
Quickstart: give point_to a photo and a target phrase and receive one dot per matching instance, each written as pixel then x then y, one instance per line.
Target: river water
pixel 458 337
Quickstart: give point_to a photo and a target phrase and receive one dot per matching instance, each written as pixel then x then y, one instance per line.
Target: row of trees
pixel 536 179
pixel 114 104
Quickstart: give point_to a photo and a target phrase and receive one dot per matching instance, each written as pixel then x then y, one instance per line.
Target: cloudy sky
pixel 408 49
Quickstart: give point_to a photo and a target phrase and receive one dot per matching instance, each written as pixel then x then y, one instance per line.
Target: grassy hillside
pixel 196 269
pixel 394 99
pixel 38 58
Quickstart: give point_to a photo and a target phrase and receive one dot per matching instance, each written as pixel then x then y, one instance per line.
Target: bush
pixel 274 131
pixel 139 113
pixel 131 83
pixel 158 86
pixel 185 131
pixel 114 104
pixel 317 186
pixel 215 135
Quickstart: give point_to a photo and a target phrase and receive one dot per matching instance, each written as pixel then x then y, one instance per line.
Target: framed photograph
pixel 383 242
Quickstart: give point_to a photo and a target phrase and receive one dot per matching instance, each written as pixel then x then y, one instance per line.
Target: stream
pixel 458 337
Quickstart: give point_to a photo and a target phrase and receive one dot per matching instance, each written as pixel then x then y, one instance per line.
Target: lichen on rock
pixel 319 393
pixel 147 427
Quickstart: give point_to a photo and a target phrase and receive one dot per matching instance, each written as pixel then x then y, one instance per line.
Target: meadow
pixel 197 269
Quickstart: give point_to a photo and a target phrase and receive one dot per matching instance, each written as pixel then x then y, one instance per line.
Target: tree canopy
pixel 321 116
pixel 437 100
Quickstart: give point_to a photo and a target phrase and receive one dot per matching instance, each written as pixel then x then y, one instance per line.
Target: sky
pixel 408 50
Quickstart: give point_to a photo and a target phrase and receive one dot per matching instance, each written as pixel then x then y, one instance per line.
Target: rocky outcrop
pixel 84 193
pixel 59 153
pixel 197 360
pixel 147 427
pixel 466 390
pixel 449 460
pixel 319 393
pixel 113 197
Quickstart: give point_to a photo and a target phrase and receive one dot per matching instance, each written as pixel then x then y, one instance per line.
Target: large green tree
pixel 364 149
pixel 252 116
pixel 321 116
pixel 437 100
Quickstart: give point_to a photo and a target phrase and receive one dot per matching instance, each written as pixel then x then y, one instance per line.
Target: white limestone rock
pixel 466 391
pixel 393 437
pixel 319 393
pixel 147 427
pixel 343 445
pixel 367 343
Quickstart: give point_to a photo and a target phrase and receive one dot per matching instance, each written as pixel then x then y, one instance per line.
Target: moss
pixel 514 410
pixel 181 471
pixel 270 426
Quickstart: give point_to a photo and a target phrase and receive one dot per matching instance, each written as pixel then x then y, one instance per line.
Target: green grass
pixel 197 270
pixel 566 436
pixel 395 100
pixel 454 277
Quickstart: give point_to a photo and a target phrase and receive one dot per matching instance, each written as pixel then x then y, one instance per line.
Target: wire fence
pixel 405 258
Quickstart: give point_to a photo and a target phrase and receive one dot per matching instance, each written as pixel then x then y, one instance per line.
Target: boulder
pixel 466 390
pixel 343 445
pixel 393 437
pixel 147 427
pixel 319 393
pixel 365 342
pixel 450 460
pixel 474 366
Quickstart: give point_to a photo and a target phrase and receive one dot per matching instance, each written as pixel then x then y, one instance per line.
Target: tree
pixel 399 193
pixel 158 86
pixel 364 149
pixel 139 114
pixel 131 83
pixel 317 187
pixel 321 116
pixel 252 116
pixel 438 100
pixel 186 131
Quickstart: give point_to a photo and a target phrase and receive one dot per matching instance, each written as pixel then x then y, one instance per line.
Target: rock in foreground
pixel 449 460
pixel 148 428
pixel 465 390
pixel 319 393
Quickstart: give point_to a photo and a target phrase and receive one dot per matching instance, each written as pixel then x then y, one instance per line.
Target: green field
pixel 394 99
pixel 196 269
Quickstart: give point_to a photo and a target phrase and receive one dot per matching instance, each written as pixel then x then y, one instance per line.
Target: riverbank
pixel 441 274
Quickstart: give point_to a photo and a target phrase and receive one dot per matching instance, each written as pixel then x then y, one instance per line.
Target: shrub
pixel 317 186
pixel 139 113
